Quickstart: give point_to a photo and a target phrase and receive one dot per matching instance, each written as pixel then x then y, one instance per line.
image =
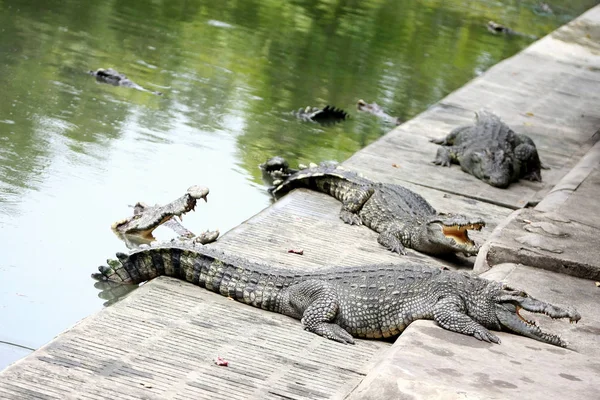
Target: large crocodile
pixel 402 217
pixel 372 301
pixel 490 151
pixel 138 228
pixel 325 116
pixel 375 109
pixel 115 78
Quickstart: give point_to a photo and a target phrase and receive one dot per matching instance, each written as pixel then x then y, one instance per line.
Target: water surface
pixel 74 153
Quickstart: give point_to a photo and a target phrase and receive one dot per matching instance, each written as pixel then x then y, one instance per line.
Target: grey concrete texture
pixel 428 362
pixel 544 240
pixel 162 341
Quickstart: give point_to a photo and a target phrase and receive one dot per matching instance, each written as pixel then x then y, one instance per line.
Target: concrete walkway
pixel 161 341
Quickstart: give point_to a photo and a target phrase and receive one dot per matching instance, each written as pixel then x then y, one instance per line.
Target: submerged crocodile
pixel 497 28
pixel 146 219
pixel 115 78
pixel 372 301
pixel 325 116
pixel 402 217
pixel 490 151
pixel 376 110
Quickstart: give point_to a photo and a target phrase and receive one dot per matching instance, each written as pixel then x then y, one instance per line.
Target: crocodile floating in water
pixel 402 217
pixel 325 116
pixel 138 228
pixel 497 28
pixel 372 301
pixel 115 78
pixel 490 151
pixel 376 110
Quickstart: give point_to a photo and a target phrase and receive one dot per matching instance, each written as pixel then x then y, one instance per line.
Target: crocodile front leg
pixel 316 302
pixel 445 156
pixel 529 161
pixel 449 312
pixel 390 239
pixel 353 202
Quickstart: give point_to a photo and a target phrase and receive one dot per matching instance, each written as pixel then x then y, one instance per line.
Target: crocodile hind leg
pixel 449 312
pixel 317 303
pixel 353 203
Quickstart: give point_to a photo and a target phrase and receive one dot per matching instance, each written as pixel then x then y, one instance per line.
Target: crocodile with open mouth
pixel 402 217
pixel 138 228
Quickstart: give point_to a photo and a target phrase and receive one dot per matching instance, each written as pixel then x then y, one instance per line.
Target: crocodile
pixel 490 151
pixel 402 217
pixel 497 28
pixel 343 303
pixel 375 109
pixel 115 78
pixel 325 116
pixel 138 228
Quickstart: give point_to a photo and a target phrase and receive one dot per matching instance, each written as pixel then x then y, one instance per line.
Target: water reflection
pixel 74 153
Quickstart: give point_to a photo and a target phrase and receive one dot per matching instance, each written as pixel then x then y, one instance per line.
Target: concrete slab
pixel 576 196
pixel 161 343
pixel 543 240
pixel 558 234
pixel 428 362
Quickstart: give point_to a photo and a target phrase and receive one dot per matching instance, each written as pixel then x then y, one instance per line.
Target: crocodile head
pixel 146 219
pixel 447 233
pixel 275 170
pixel 508 304
pixel 494 167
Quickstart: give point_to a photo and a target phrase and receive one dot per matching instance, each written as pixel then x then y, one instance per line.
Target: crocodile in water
pixel 325 116
pixel 115 78
pixel 372 301
pixel 497 28
pixel 138 228
pixel 375 109
pixel 490 151
pixel 402 217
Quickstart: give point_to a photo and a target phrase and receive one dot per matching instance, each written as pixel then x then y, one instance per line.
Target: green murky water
pixel 74 153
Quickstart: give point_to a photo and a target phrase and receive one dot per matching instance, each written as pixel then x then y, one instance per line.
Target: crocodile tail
pixel 254 284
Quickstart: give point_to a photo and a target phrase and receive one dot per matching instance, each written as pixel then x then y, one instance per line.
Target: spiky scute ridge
pixel 371 301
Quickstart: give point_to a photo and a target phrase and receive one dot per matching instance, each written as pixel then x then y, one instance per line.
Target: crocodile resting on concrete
pixel 376 110
pixel 325 116
pixel 402 217
pixel 146 219
pixel 372 301
pixel 490 151
pixel 115 78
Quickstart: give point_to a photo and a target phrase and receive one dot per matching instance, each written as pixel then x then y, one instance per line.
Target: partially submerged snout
pixel 511 302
